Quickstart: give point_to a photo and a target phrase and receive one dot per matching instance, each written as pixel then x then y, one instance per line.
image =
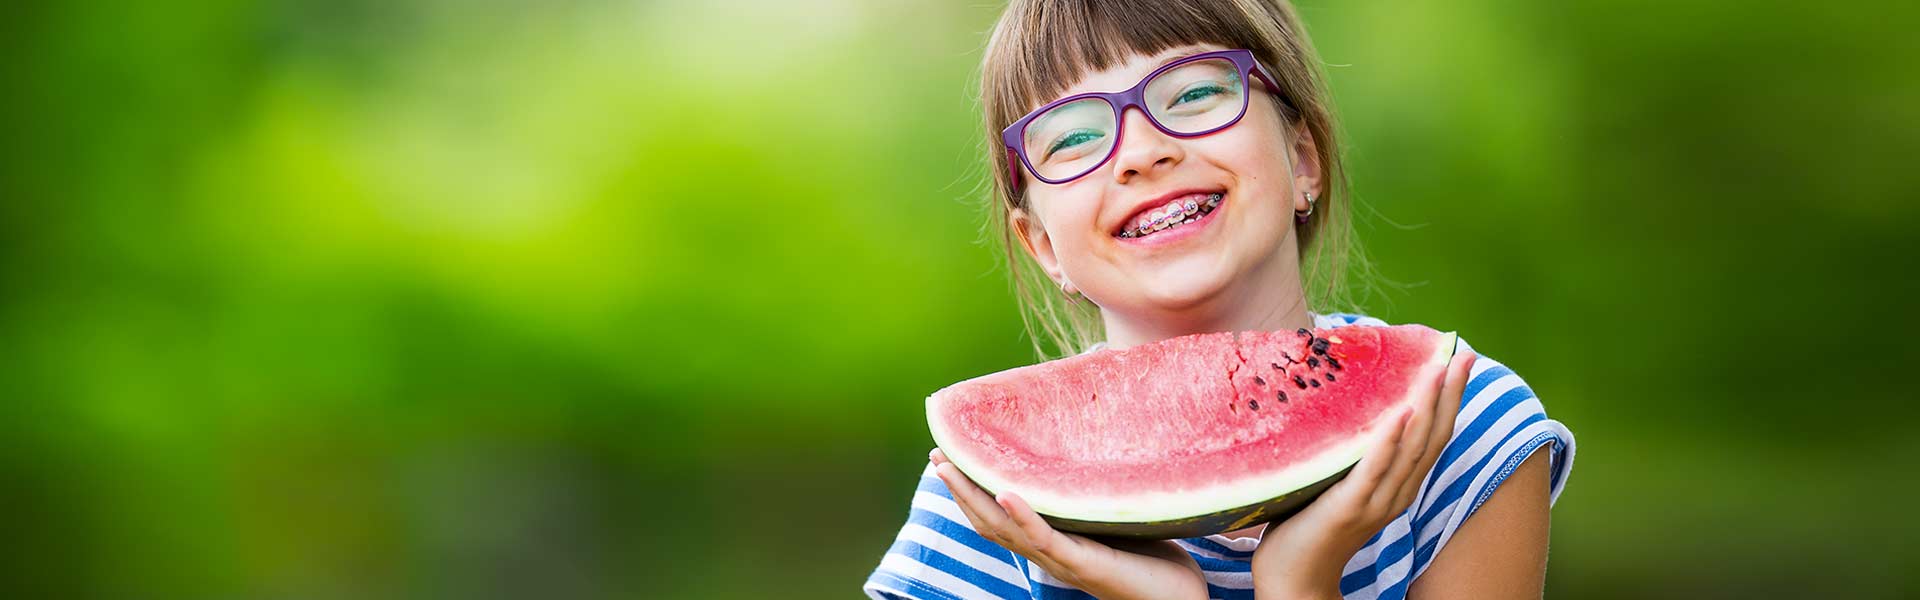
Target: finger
pixel 1046 543
pixel 987 516
pixel 1374 465
pixel 1446 409
pixel 937 457
pixel 1403 461
pixel 1449 407
pixel 961 499
pixel 1419 452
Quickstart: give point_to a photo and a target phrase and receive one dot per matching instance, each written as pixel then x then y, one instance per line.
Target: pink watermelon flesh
pixel 1189 434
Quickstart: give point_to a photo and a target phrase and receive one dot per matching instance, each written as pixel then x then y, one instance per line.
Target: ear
pixel 1033 236
pixel 1307 170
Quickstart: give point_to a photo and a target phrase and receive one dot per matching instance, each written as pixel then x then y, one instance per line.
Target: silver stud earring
pixel 1301 217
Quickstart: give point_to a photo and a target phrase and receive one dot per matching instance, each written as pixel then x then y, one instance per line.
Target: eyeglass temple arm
pixel 1013 169
pixel 1260 71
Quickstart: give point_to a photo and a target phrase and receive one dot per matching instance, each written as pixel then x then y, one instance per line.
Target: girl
pixel 1165 166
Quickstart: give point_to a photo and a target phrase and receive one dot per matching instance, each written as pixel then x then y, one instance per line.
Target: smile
pixel 1172 216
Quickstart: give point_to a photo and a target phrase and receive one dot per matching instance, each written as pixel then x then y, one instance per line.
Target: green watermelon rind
pixel 1194 513
pixel 1277 509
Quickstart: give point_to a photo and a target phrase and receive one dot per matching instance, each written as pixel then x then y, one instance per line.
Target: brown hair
pixel 1039 47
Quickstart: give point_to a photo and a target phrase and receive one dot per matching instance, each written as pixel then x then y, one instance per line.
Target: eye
pixel 1199 92
pixel 1073 138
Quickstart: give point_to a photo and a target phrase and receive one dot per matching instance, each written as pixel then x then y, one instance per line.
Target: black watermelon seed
pixel 1320 346
pixel 1258 381
pixel 1315 382
pixel 1253 404
pixel 1329 377
pixel 1335 362
pixel 1303 331
pixel 1300 382
pixel 1313 362
pixel 1280 395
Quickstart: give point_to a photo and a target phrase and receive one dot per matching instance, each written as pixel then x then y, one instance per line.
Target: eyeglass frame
pixel 1013 136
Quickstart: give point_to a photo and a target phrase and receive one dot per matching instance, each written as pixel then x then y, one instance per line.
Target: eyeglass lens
pixel 1072 139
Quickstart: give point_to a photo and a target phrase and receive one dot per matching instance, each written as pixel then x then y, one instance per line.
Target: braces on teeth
pixel 1174 214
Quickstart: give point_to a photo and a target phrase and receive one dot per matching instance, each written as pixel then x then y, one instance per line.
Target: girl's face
pixel 1203 275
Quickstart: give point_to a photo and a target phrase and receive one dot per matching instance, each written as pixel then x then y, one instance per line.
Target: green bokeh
pixel 613 300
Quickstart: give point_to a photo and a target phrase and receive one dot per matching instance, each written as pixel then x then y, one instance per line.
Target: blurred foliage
pixel 579 299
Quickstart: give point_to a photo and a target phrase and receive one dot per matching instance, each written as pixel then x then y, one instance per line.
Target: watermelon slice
pixel 1188 436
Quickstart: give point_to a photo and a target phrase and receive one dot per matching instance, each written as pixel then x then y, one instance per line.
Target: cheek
pixel 1260 155
pixel 1069 220
pixel 1257 162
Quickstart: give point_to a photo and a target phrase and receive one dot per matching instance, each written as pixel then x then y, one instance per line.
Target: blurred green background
pixel 584 299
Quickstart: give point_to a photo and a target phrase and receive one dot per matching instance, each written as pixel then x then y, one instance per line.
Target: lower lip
pixel 1175 235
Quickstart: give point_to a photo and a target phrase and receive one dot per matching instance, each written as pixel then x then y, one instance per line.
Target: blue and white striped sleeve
pixel 1501 424
pixel 938 555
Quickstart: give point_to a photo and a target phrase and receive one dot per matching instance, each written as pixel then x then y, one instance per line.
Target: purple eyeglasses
pixel 1190 97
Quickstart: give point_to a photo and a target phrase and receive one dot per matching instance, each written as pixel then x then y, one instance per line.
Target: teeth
pixel 1174 214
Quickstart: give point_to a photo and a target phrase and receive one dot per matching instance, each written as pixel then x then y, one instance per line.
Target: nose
pixel 1144 150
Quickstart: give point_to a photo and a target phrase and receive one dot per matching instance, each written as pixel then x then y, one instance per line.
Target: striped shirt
pixel 938 555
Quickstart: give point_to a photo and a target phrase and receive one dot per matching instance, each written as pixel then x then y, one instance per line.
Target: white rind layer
pixel 1174 505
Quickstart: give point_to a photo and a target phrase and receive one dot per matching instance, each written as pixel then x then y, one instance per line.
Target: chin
pixel 1183 289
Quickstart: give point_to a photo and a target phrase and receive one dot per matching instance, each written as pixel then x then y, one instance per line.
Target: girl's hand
pixel 1303 556
pixel 1111 570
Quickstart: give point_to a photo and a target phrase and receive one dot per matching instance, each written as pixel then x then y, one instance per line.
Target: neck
pixel 1274 307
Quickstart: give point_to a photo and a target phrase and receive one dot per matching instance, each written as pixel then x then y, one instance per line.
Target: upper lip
pixel 1133 214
